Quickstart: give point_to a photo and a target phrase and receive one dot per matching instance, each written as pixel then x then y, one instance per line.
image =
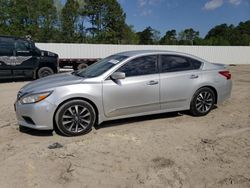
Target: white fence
pixel 216 54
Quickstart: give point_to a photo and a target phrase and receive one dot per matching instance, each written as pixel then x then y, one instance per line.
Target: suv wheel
pixel 75 118
pixel 44 71
pixel 82 66
pixel 202 102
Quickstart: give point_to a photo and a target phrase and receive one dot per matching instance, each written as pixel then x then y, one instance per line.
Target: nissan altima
pixel 123 85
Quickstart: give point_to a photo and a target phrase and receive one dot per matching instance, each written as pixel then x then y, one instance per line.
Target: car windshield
pixel 100 67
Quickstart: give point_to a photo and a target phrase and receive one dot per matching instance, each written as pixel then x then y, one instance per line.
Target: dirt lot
pixel 169 150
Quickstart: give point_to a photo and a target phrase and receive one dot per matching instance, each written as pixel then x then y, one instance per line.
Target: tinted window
pixel 196 63
pixel 140 66
pixel 175 63
pixel 6 47
pixel 23 45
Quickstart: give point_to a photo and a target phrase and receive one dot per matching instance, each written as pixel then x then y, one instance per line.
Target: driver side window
pixel 22 45
pixel 140 66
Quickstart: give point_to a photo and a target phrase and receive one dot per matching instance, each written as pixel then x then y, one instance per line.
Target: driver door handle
pixel 193 76
pixel 152 82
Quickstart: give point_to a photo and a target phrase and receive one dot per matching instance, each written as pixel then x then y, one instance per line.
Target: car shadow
pixel 119 122
pixel 111 123
pixel 34 132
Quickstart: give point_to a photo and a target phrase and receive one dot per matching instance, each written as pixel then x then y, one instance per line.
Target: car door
pixel 178 79
pixel 138 93
pixel 25 59
pixel 6 57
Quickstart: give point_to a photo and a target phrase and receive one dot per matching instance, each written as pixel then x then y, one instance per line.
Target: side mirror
pixel 118 75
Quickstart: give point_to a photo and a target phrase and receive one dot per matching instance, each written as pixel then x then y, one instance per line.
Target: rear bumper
pixel 224 92
pixel 37 116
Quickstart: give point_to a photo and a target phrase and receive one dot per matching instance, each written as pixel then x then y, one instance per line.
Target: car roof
pixel 135 53
pixel 12 37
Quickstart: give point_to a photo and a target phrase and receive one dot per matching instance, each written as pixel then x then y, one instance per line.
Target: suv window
pixel 6 47
pixel 22 45
pixel 171 63
pixel 140 66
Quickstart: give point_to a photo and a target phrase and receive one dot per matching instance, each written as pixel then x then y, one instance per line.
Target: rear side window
pixel 196 63
pixel 6 47
pixel 171 63
pixel 140 66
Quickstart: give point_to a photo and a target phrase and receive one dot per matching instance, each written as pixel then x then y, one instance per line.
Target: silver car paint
pixel 142 98
pixel 132 96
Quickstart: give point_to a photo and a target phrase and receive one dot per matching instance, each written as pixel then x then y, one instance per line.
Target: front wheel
pixel 203 102
pixel 75 118
pixel 44 71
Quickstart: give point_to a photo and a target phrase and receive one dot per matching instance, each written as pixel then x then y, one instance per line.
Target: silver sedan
pixel 123 85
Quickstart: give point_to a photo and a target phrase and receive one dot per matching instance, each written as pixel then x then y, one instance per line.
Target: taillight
pixel 226 74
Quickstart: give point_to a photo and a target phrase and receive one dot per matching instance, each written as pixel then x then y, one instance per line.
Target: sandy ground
pixel 169 150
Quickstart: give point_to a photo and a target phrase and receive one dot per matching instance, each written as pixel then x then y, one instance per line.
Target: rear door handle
pixel 152 82
pixel 193 76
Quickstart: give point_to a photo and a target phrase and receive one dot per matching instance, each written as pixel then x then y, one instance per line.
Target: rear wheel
pixel 75 118
pixel 202 102
pixel 44 71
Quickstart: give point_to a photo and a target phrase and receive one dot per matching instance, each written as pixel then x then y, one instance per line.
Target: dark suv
pixel 19 58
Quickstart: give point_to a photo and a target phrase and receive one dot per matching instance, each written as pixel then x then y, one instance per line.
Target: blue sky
pixel 201 15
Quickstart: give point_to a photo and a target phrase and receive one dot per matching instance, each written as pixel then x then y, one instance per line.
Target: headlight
pixel 34 98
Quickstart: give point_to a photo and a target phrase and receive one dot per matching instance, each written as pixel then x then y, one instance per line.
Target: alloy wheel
pixel 204 101
pixel 76 118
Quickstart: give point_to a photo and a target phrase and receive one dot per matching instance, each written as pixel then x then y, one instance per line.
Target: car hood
pixel 51 82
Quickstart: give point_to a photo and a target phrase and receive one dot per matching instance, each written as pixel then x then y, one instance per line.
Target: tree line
pixel 101 21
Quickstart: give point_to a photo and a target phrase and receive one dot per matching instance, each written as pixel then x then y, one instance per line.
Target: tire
pixel 202 102
pixel 75 117
pixel 75 67
pixel 44 71
pixel 82 66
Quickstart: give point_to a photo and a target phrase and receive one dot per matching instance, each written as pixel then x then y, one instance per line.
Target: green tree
pixel 100 21
pixel 188 36
pixel 146 36
pixel 5 16
pixel 107 21
pixel 169 38
pixel 28 17
pixel 241 34
pixel 24 18
pixel 129 36
pixel 156 36
pixel 70 14
pixel 47 21
pixel 220 35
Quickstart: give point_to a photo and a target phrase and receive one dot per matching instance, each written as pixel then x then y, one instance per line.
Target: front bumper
pixel 37 116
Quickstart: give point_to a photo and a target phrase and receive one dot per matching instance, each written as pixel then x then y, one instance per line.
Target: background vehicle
pixel 123 85
pixel 20 57
pixel 80 56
